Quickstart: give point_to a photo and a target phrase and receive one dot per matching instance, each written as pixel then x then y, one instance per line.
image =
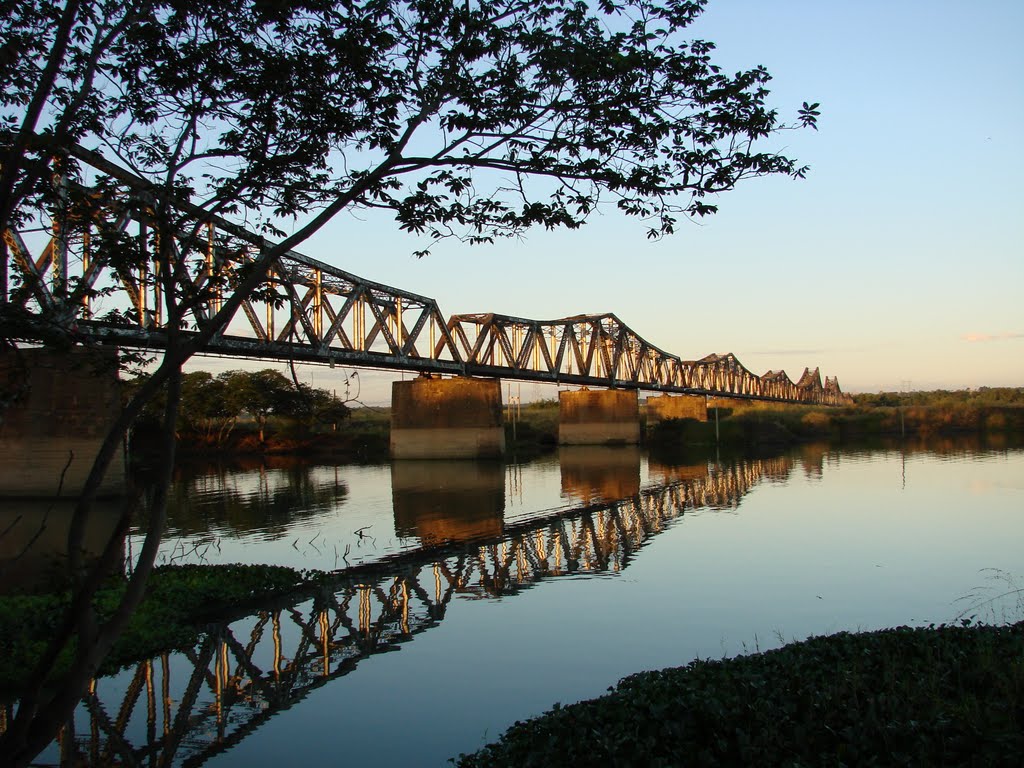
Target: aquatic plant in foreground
pixel 948 695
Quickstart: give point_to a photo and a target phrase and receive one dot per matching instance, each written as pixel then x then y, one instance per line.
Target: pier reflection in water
pixel 835 544
pixel 439 502
pixel 596 473
pixel 34 538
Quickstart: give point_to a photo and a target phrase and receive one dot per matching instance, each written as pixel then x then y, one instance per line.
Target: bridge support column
pixel 458 418
pixel 59 406
pixel 598 417
pixel 665 407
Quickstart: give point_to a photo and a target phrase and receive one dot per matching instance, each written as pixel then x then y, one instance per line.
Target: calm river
pixel 477 594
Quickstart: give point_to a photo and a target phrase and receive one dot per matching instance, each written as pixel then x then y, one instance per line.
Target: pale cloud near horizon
pixel 781 352
pixel 1006 336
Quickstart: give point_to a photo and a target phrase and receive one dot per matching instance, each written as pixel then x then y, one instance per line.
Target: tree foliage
pixel 211 406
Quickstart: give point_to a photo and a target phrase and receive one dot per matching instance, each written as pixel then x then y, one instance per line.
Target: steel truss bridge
pixel 184 708
pixel 307 310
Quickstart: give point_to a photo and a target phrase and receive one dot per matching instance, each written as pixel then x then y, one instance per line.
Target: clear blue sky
pixel 898 262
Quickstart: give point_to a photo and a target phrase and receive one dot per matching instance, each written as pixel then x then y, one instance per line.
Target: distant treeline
pixel 941 397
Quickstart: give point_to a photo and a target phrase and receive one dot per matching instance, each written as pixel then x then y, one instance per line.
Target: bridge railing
pixel 101 268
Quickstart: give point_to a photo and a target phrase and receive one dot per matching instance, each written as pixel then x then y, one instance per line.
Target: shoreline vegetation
pixel 943 695
pixel 991 413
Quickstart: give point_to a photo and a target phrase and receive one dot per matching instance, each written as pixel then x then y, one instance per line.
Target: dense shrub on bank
pixel 935 696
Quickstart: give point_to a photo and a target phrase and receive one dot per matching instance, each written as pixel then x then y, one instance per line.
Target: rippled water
pixel 486 592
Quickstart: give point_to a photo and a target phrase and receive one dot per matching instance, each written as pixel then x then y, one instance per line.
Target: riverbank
pixel 751 424
pixel 732 425
pixel 950 695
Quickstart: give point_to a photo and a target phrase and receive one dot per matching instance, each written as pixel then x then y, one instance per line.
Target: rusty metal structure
pixel 184 708
pixel 307 310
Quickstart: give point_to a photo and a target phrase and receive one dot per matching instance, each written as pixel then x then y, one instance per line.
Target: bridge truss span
pixel 102 269
pixel 601 350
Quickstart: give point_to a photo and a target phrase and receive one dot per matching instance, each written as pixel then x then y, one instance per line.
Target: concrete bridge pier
pixel 55 410
pixel 665 407
pixel 598 417
pixel 458 418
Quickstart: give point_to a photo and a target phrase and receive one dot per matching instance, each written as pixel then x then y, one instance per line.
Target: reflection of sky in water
pixel 827 543
pixel 343 500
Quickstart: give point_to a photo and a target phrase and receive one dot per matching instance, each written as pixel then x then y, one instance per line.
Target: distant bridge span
pixel 310 311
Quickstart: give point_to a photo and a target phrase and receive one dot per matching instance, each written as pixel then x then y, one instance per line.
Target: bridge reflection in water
pixel 184 707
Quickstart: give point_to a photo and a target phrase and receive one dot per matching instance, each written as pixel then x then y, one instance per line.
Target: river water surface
pixel 471 595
